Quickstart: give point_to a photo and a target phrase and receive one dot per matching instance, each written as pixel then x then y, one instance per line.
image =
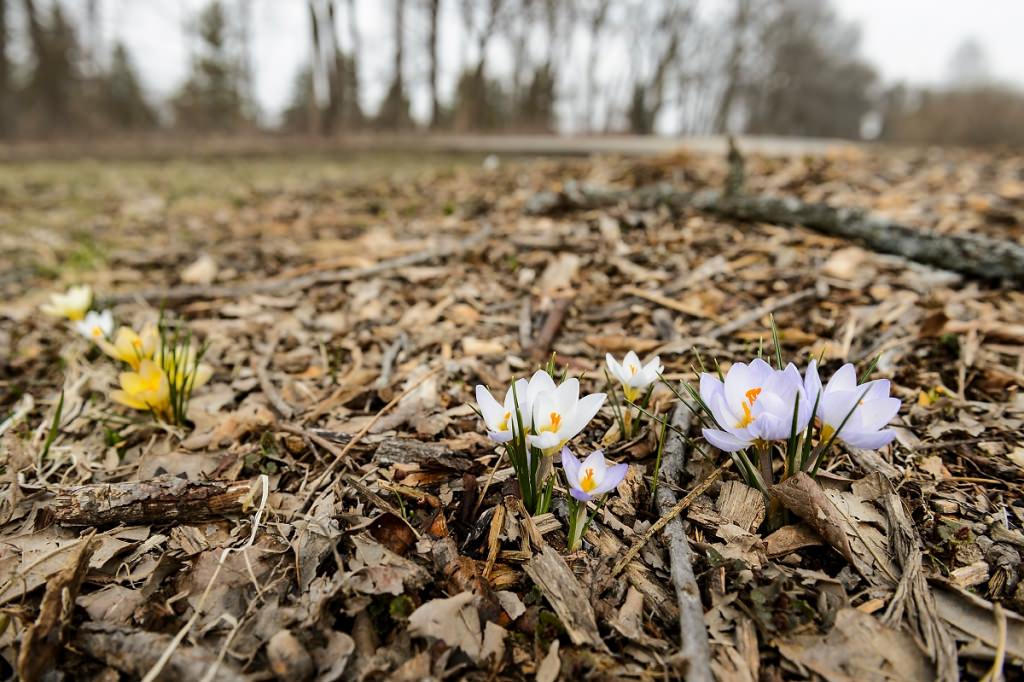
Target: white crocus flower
pixel 501 418
pixel 95 326
pixel 867 408
pixel 73 305
pixel 754 403
pixel 540 382
pixel 634 377
pixel 560 414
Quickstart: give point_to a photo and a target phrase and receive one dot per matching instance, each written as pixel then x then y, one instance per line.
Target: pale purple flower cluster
pixel 757 403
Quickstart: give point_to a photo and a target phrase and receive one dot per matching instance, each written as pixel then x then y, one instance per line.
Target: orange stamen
pixel 587 483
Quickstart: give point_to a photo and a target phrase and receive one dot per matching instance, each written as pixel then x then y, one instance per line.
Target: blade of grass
pixel 51 435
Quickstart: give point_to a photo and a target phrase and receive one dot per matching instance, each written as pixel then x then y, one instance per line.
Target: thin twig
pixel 549 330
pixel 342 453
pixel 675 511
pixel 995 673
pixel 266 385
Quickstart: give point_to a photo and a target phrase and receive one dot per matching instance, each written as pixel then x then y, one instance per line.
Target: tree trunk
pixel 335 65
pixel 352 112
pixel 315 69
pixel 596 24
pixel 6 124
pixel 733 68
pixel 433 6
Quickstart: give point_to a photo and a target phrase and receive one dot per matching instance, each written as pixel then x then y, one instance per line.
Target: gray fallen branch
pixel 134 652
pixel 160 500
pixel 301 282
pixel 973 255
pixel 694 648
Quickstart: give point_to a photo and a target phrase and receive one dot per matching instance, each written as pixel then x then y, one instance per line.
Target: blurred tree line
pixel 784 67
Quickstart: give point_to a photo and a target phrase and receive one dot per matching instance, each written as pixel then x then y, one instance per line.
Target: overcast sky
pixel 909 40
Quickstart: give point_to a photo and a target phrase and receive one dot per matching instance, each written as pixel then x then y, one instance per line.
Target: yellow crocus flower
pixel 145 389
pixel 130 347
pixel 73 305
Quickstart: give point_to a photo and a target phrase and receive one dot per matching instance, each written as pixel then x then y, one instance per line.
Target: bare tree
pixel 813 83
pixel 394 111
pixel 316 74
pixel 53 82
pixel 433 9
pixel 475 105
pixel 596 14
pixel 6 94
pixel 247 78
pixel 663 40
pixel 733 75
pixel 355 39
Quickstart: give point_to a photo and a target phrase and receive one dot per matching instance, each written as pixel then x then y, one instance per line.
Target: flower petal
pixel 871 440
pixel 572 468
pixel 585 410
pixel 489 407
pixel 612 478
pixel 726 442
pixel 845 379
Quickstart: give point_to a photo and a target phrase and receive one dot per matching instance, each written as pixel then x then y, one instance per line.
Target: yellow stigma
pixel 632 370
pixel 555 423
pixel 587 483
pixel 503 426
pixel 826 433
pixel 746 405
pixel 97 332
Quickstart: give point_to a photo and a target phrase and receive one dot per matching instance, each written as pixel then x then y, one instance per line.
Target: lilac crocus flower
pixel 592 477
pixel 869 406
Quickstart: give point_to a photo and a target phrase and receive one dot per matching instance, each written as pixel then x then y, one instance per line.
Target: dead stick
pixel 549 331
pixel 160 500
pixel 693 648
pixel 134 651
pixel 677 509
pixel 969 254
pixel 340 454
pixel 266 385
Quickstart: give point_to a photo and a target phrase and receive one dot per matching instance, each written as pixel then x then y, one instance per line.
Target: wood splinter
pixel 164 499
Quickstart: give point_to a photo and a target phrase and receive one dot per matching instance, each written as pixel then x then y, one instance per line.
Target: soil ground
pixel 348 384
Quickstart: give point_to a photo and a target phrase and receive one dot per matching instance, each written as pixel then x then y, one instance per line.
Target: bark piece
pixel 913 600
pixel 567 597
pixel 741 504
pixel 166 499
pixel 549 330
pixel 134 652
pixel 428 455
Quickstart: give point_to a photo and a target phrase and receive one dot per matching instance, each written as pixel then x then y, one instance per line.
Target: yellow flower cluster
pixel 164 371
pixel 159 373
